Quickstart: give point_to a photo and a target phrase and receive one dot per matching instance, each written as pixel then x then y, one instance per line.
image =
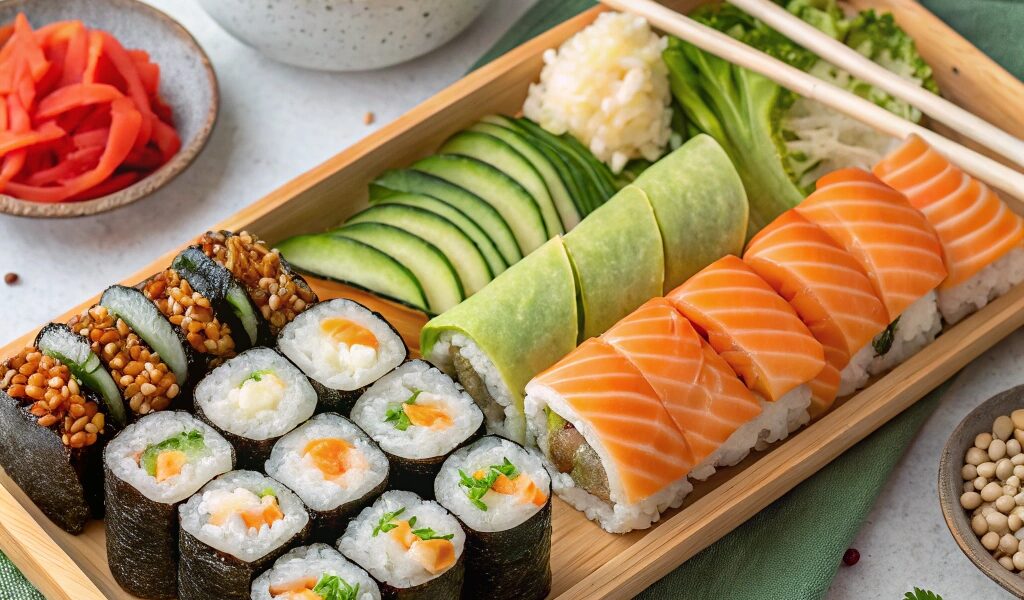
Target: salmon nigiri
pixel 981 237
pixel 899 252
pixel 704 398
pixel 828 289
pixel 599 422
pixel 751 327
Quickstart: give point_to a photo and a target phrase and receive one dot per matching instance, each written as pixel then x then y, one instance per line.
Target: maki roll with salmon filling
pixel 335 468
pixel 143 379
pixel 314 572
pixel 263 273
pixel 343 347
pixel 51 438
pixel 411 546
pixel 502 495
pixel 151 467
pixel 418 416
pixel 252 400
pixel 234 529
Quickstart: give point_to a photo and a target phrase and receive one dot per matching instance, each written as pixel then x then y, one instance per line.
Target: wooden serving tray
pixel 588 564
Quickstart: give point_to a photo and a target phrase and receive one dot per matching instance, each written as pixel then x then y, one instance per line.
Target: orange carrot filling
pixel 344 331
pixel 292 587
pixel 522 487
pixel 329 455
pixel 435 555
pixel 169 464
pixel 427 415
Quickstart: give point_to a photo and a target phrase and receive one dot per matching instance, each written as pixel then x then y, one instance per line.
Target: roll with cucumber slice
pixel 56 340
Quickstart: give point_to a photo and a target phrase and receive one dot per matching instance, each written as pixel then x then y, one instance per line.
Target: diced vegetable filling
pixel 346 346
pixel 421 409
pixel 334 457
pixel 166 459
pixel 474 385
pixel 255 511
pixel 262 391
pixel 432 550
pixel 327 587
pixel 503 479
pixel 570 453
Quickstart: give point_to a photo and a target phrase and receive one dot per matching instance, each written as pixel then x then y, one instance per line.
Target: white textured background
pixel 277 121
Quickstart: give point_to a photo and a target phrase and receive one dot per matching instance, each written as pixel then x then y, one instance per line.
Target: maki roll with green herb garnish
pixel 52 432
pixel 335 468
pixel 252 400
pixel 232 530
pixel 502 495
pixel 279 293
pixel 418 416
pixel 151 467
pixel 412 547
pixel 315 572
pixel 146 383
pixel 343 347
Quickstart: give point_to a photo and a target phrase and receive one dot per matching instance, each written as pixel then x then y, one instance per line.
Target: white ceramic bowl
pixel 344 35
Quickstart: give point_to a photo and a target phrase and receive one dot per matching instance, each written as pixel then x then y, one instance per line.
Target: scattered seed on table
pixel 11 278
pixel 369 118
pixel 851 557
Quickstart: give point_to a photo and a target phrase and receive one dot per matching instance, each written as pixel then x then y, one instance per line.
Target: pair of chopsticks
pixel 992 172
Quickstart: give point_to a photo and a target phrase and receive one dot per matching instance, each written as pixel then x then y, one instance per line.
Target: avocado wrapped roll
pixel 501 494
pixel 418 416
pixel 252 400
pixel 232 530
pixel 151 467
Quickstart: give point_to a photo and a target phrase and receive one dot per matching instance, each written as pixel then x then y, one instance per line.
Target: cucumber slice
pixel 596 172
pixel 58 341
pixel 568 214
pixel 230 301
pixel 132 306
pixel 437 276
pixel 354 263
pixel 456 216
pixel 503 157
pixel 585 193
pixel 463 254
pixel 509 198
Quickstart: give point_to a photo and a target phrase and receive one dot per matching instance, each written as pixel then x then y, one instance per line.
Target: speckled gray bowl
pixel 344 35
pixel 187 83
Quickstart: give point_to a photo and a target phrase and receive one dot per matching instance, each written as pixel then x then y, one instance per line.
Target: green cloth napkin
pixel 815 519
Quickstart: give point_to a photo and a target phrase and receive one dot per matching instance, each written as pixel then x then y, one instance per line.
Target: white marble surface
pixel 278 121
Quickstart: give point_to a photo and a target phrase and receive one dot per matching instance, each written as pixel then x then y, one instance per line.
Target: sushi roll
pixel 314 572
pixel 612 448
pixel 263 274
pixel 981 237
pixel 52 433
pixel 144 380
pixel 343 347
pixel 151 467
pixel 501 494
pixel 56 340
pixel 901 255
pixel 232 530
pixel 252 400
pixel 418 416
pixel 335 468
pixel 412 547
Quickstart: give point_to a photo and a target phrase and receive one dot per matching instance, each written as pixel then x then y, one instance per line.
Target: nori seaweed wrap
pixel 335 468
pixel 234 529
pixel 252 400
pixel 151 467
pixel 318 568
pixel 412 547
pixel 342 347
pixel 501 494
pixel 418 416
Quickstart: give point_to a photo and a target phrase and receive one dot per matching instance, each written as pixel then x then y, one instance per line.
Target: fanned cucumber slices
pixel 441 229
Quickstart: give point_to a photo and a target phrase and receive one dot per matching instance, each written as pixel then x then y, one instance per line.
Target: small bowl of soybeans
pixel 981 488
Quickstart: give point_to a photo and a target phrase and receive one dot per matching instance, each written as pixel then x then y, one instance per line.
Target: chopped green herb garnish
pixel 268 492
pixel 477 488
pixel 385 524
pixel 429 534
pixel 919 594
pixel 256 376
pixel 332 587
pixel 189 442
pixel 396 415
pixel 883 342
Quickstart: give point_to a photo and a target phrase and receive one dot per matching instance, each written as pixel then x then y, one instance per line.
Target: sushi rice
pixel 231 492
pixel 484 382
pixel 503 511
pixel 386 559
pixel 985 286
pixel 316 342
pixel 308 564
pixel 256 395
pixel 436 390
pixel 366 465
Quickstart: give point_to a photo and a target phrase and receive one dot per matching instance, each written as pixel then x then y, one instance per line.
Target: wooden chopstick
pixel 736 52
pixel 841 55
